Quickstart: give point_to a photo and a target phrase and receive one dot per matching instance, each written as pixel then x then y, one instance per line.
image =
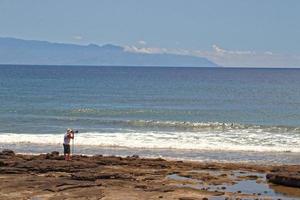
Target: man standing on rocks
pixel 67 137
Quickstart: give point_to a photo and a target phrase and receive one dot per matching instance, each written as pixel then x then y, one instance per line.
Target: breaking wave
pixel 210 126
pixel 186 135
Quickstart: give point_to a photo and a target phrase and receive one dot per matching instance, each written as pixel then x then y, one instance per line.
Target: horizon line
pixel 147 66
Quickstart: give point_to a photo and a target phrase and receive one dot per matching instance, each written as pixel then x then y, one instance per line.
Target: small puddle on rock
pixel 246 183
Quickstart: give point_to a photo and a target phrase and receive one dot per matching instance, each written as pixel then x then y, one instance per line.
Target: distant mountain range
pixel 32 52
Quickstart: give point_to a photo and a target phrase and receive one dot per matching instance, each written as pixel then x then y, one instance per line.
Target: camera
pixel 75 131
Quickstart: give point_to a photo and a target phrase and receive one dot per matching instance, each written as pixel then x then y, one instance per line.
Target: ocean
pixel 207 114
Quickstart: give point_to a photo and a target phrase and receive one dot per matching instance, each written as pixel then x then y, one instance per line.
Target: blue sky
pixel 230 32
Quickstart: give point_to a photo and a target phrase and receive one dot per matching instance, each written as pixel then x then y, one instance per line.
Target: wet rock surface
pixel 49 176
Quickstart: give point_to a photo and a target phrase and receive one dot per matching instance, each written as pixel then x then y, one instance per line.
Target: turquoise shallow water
pixel 196 109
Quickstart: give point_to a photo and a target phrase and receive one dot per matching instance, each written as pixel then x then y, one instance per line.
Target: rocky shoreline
pixel 49 176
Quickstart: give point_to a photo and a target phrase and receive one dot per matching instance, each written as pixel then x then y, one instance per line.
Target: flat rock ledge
pixel 49 176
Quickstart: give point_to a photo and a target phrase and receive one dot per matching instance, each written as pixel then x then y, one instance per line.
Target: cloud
pixel 229 58
pixel 147 50
pixel 223 51
pixel 237 58
pixel 142 42
pixel 157 50
pixel 268 53
pixel 77 37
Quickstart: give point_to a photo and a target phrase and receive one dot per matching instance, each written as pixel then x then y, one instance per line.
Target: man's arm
pixel 71 135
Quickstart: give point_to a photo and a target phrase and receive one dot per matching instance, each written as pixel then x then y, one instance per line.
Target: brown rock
pixel 287 179
pixel 141 186
pixel 53 155
pixel 2 163
pixel 188 198
pixel 47 176
pixel 89 176
pixel 12 170
pixel 6 154
pixel 135 156
pixel 162 189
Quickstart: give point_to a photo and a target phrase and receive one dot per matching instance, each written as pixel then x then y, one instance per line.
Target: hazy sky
pixel 230 32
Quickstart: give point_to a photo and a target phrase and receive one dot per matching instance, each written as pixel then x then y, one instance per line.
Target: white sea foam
pixel 230 140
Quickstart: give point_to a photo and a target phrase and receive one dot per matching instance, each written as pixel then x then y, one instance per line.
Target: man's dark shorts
pixel 66 148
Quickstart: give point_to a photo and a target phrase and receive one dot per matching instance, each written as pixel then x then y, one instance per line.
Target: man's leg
pixel 68 152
